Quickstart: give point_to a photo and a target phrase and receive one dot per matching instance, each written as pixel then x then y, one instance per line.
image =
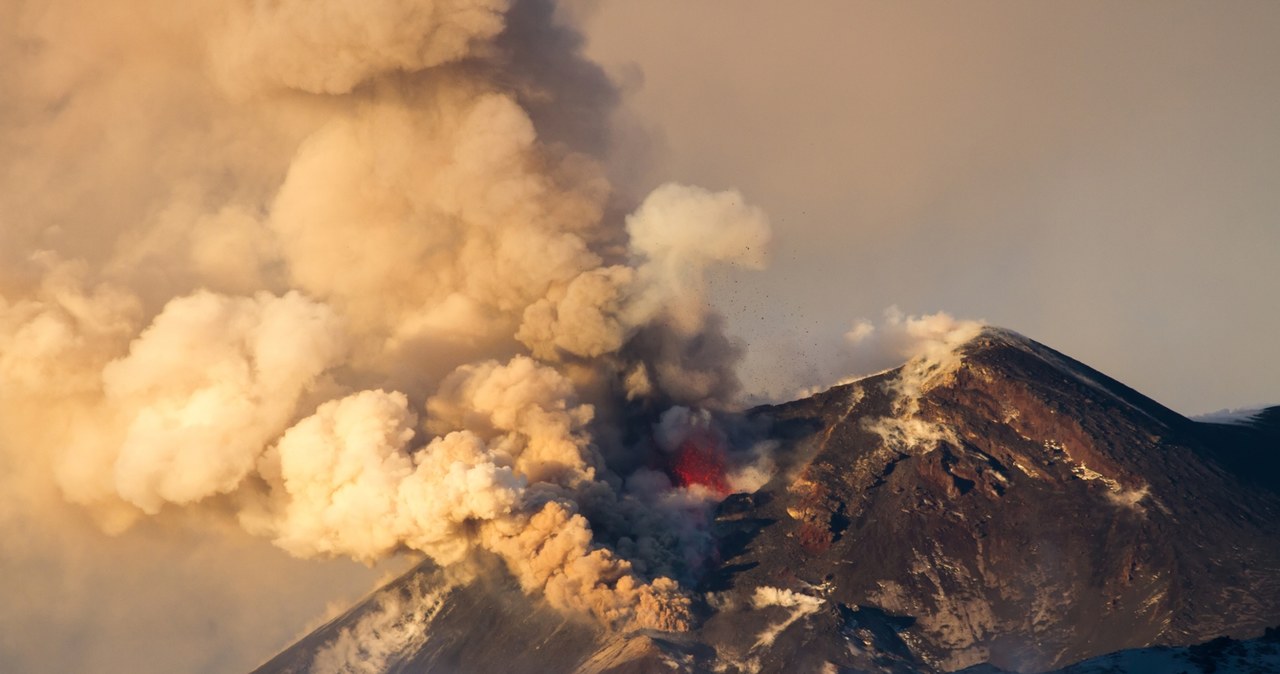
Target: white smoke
pixel 675 236
pixel 178 430
pixel 930 344
pixel 329 47
pixel 930 340
pixel 313 265
pixel 801 605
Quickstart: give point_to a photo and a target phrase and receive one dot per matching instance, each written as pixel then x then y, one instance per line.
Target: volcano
pixel 1002 507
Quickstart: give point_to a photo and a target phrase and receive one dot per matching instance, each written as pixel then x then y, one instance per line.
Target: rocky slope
pixel 1223 655
pixel 998 504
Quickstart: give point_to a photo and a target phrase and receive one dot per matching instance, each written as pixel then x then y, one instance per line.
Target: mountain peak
pixel 1003 352
pixel 964 469
pixel 991 501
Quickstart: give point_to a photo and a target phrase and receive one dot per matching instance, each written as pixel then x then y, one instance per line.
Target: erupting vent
pixel 700 461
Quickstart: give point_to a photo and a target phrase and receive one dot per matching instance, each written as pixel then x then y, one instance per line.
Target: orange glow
pixel 700 461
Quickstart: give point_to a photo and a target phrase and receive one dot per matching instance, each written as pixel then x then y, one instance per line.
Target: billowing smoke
pixel 344 273
pixel 929 344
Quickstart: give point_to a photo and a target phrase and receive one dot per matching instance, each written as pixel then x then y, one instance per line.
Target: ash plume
pixel 318 266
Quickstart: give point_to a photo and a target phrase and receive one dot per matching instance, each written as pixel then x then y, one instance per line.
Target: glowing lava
pixel 699 460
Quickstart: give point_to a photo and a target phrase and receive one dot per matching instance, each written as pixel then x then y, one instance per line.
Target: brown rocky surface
pixel 1004 504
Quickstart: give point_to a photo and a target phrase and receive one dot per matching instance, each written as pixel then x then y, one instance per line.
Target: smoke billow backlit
pixel 316 266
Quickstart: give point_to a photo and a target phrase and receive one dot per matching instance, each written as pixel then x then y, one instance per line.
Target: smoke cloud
pixel 316 268
pixel 929 343
pixel 333 46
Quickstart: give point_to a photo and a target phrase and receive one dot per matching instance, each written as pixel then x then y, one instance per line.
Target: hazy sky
pixel 1099 176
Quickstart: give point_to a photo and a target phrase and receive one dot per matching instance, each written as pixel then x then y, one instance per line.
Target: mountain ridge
pixel 995 503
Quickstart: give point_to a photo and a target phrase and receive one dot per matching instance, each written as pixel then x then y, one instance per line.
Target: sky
pixel 1098 176
pixel 237 260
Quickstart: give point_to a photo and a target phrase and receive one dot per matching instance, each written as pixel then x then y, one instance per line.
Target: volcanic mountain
pixel 995 503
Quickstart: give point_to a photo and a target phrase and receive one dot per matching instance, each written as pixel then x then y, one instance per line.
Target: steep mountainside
pixel 1018 507
pixel 998 503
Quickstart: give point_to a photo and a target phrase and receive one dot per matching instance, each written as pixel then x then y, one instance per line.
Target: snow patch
pixel 1030 472
pixel 1238 415
pixel 1129 498
pixel 398 625
pixel 1116 493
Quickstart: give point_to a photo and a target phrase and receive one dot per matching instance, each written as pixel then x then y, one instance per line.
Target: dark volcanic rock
pixel 1001 504
pixel 1061 515
pixel 1223 655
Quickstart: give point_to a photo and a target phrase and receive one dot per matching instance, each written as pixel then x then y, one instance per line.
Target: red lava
pixel 699 460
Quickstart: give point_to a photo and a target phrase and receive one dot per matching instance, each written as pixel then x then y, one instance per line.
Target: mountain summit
pixel 994 503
